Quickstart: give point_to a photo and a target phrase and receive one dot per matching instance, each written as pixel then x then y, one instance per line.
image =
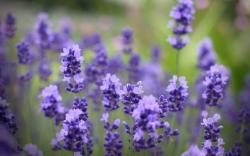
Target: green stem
pixel 177 62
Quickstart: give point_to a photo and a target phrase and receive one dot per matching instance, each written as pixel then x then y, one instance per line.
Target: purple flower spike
pixel 215 83
pixel 134 69
pixel 32 150
pixel 177 93
pixel 43 32
pixel 7 118
pixel 127 39
pixel 51 103
pixel 131 97
pixel 193 151
pixel 23 53
pixel 206 54
pixel 10 25
pixel 71 61
pixel 213 144
pixel 155 54
pixel 75 134
pixel 111 88
pixel 182 15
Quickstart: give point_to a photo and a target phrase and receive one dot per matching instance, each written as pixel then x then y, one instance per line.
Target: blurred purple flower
pixel 206 54
pixel 23 53
pixel 7 118
pixel 10 25
pixel 127 40
pixel 32 150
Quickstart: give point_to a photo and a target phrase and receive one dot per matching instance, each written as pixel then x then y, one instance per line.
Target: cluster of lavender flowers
pixel 146 111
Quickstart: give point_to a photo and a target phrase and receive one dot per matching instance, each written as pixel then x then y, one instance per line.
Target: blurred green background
pixel 227 22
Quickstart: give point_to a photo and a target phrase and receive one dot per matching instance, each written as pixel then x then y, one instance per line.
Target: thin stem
pixel 177 62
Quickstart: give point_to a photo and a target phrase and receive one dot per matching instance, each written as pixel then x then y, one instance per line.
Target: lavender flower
pixel 147 122
pixel 10 25
pixel 155 54
pixel 213 144
pixel 182 15
pixel 32 150
pixel 127 39
pixel 23 53
pixel 43 31
pixel 71 68
pixel 206 54
pixel 111 88
pixel 177 93
pixel 44 69
pixel 131 97
pixel 113 142
pixel 215 83
pixel 7 118
pixel 134 70
pixel 193 150
pixel 81 103
pixel 51 103
pixel 235 151
pixel 75 134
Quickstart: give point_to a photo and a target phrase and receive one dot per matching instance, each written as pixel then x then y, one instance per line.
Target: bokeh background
pixel 226 22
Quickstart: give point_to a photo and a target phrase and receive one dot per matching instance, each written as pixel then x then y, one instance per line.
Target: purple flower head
pixel 2 36
pixel 113 142
pixel 81 103
pixel 206 54
pixel 44 70
pixel 177 93
pixel 51 101
pixel 193 150
pixel 7 118
pixel 132 94
pixel 10 25
pixel 111 88
pixel 235 151
pixel 115 64
pixel 146 124
pixel 182 15
pixel 42 31
pixel 32 150
pixel 23 53
pixel 211 126
pixel 97 69
pixel 215 149
pixel 75 133
pixel 71 61
pixel 127 39
pixel 216 81
pixel 134 69
pixel 155 54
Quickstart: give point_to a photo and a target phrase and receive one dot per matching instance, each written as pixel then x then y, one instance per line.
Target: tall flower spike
pixel 111 88
pixel 213 143
pixel 51 103
pixel 131 96
pixel 32 150
pixel 23 53
pixel 71 61
pixel 177 93
pixel 134 70
pixel 182 15
pixel 147 123
pixel 42 31
pixel 75 134
pixel 113 142
pixel 10 25
pixel 216 81
pixel 7 117
pixel 127 40
pixel 193 150
pixel 206 54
